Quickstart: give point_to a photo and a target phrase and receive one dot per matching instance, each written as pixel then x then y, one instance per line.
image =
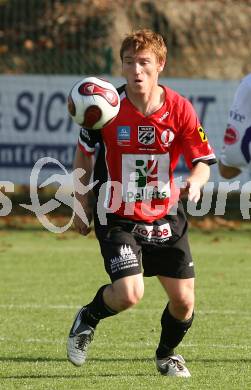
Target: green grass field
pixel 44 279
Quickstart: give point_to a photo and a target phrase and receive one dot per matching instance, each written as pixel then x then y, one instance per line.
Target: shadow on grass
pixel 24 359
pixel 115 360
pixel 56 376
pixel 77 373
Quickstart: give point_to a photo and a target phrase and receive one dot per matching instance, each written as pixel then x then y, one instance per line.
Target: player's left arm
pixel 198 154
pixel 197 178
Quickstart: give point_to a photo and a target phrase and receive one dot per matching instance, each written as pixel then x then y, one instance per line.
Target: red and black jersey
pixel 137 155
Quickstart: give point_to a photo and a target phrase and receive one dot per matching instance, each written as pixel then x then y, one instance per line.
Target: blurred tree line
pixel 206 39
pixel 54 37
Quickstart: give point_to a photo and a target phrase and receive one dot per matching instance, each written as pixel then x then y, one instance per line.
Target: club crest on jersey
pixel 146 135
pixel 167 137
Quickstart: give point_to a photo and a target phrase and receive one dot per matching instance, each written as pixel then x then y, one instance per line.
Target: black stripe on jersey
pixel 90 137
pixel 100 168
pixel 121 89
pixel 210 161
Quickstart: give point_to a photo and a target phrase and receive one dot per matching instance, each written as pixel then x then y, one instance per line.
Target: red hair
pixel 145 39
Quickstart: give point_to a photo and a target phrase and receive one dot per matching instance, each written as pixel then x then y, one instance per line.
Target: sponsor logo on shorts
pixel 153 233
pixel 126 259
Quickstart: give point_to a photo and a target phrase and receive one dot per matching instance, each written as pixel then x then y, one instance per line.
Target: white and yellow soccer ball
pixel 93 103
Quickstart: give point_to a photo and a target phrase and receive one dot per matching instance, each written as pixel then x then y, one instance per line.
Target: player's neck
pixel 147 103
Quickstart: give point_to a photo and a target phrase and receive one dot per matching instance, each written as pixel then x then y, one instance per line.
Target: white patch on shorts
pixel 126 259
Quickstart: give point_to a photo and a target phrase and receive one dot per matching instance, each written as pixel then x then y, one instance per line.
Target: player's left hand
pixel 191 190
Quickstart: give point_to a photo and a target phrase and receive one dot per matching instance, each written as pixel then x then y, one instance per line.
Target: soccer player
pixel 235 154
pixel 143 236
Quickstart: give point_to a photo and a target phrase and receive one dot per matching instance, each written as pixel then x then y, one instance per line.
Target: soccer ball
pixel 93 103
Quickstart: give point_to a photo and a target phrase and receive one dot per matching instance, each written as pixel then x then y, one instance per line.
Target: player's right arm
pixel 84 197
pixel 84 162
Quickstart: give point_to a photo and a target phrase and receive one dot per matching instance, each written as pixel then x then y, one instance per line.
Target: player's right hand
pixel 80 226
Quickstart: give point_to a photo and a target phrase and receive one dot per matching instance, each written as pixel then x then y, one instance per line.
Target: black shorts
pixel 158 248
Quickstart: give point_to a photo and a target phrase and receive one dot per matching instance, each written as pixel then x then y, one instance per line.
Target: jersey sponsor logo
pixel 164 116
pixel 153 233
pixel 146 135
pixel 145 193
pixel 231 136
pixel 202 134
pixel 236 116
pixel 145 177
pixel 124 135
pixel 167 137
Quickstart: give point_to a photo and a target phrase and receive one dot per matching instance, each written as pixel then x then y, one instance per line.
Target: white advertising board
pixel 34 121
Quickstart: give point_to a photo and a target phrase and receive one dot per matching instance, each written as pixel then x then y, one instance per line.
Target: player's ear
pixel 161 65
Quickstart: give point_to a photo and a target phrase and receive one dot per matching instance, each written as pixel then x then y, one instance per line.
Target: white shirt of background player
pixel 236 151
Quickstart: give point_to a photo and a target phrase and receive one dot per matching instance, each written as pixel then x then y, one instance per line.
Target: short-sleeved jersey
pixel 236 150
pixel 138 155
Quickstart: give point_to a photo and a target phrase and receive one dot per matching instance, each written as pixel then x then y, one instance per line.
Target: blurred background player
pixel 139 150
pixel 235 155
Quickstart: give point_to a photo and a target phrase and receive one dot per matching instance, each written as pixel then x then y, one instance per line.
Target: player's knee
pixel 131 298
pixel 128 301
pixel 183 307
pixel 130 295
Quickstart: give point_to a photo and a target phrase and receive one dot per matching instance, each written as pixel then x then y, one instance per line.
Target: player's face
pixel 141 70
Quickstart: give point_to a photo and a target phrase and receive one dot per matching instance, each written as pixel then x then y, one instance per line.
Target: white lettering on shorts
pixel 127 259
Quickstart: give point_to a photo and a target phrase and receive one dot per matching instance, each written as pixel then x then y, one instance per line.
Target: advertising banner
pixel 34 121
